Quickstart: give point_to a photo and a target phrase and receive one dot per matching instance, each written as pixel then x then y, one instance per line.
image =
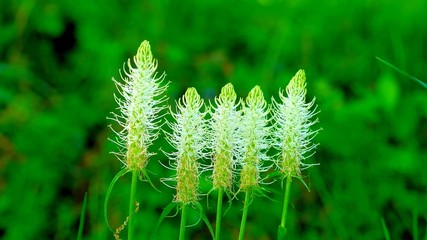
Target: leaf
pixel 305 184
pixel 281 233
pixel 165 212
pixel 402 72
pixel 148 179
pixel 385 229
pixel 274 175
pixel 415 223
pixel 261 192
pixel 82 218
pixel 230 201
pixel 205 218
pixel 107 196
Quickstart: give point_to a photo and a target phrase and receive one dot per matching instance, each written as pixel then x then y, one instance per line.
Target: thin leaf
pixel 82 218
pixel 145 173
pixel 271 190
pixel 230 201
pixel 402 72
pixel 274 175
pixel 205 218
pixel 415 223
pixel 194 224
pixel 305 184
pixel 261 192
pixel 164 214
pixel 425 236
pixel 109 190
pixel 385 229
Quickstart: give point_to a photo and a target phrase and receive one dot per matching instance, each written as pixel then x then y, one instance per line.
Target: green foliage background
pixel 58 57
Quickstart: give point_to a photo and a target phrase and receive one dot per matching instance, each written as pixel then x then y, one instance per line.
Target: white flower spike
pixel 254 139
pixel 188 139
pixel 292 134
pixel 140 106
pixel 224 137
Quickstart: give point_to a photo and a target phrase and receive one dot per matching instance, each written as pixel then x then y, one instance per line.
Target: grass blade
pixel 425 236
pixel 107 196
pixel 385 229
pixel 82 218
pixel 205 218
pixel 147 177
pixel 165 212
pixel 402 72
pixel 415 224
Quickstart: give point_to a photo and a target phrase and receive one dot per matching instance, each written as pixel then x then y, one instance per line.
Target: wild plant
pixel 234 135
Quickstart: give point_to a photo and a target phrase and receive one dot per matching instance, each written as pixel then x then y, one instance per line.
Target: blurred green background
pixel 58 58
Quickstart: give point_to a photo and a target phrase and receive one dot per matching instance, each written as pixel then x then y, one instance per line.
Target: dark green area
pixel 58 57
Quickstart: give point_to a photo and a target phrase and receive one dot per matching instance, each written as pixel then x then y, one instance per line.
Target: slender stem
pixel 82 218
pixel 415 223
pixel 286 201
pixel 244 216
pixel 219 214
pixel 385 229
pixel 132 203
pixel 183 222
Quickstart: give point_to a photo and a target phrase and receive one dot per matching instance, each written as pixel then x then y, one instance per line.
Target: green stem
pixel 415 224
pixel 244 216
pixel 282 228
pixel 219 214
pixel 132 203
pixel 82 218
pixel 183 222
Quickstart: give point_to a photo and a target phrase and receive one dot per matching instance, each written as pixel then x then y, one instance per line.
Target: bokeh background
pixel 58 58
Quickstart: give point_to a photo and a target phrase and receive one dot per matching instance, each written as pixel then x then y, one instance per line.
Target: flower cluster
pixel 239 134
pixel 236 137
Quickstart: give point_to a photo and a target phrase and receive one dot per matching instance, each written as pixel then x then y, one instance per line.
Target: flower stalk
pixel 292 135
pixel 140 104
pixel 183 222
pixel 254 143
pixel 187 138
pixel 223 143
